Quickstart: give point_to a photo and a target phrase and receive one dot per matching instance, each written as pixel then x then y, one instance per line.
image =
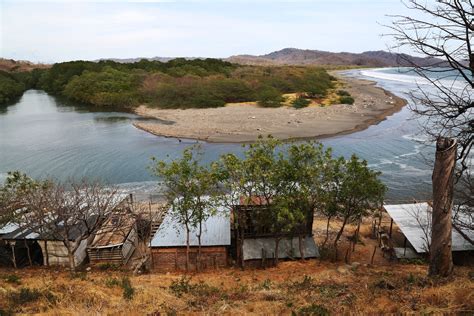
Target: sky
pixel 54 31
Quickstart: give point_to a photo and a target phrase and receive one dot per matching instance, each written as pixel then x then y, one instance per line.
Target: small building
pixel 168 245
pixel 414 223
pixel 28 245
pixel 254 244
pixel 37 245
pixel 115 241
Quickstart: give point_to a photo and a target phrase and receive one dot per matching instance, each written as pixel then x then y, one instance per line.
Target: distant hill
pixel 11 65
pixel 294 56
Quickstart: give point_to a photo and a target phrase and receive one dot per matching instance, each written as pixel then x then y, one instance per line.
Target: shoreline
pixel 244 122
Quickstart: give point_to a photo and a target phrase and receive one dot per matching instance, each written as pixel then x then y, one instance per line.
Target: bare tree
pixel 74 215
pixel 443 33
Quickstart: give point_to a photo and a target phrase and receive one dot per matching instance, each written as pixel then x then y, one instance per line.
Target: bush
pixel 313 309
pixel 343 93
pixel 112 282
pixel 128 290
pixel 108 266
pixel 346 100
pixel 12 278
pixel 300 102
pixel 181 286
pixel 269 97
pixel 26 295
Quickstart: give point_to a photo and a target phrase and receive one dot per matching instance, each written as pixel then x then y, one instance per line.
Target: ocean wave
pixel 413 79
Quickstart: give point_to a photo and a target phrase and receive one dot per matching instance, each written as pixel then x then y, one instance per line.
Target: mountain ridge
pixel 304 57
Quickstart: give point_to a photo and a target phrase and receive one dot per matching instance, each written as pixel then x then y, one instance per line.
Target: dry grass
pixel 289 287
pixel 311 286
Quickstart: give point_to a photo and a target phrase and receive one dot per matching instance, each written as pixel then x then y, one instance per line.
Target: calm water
pixel 45 137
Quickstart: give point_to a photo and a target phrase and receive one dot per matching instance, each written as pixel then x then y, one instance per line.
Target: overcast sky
pixel 51 31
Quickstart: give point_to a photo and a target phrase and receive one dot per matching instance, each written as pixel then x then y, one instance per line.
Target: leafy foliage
pixel 300 102
pixel 109 87
pixel 10 87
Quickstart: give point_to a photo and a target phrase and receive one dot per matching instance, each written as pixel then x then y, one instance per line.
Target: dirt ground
pixel 310 287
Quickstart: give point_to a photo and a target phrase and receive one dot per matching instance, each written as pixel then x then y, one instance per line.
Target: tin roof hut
pixel 168 245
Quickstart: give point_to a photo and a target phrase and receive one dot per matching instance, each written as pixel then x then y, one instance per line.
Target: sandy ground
pixel 244 122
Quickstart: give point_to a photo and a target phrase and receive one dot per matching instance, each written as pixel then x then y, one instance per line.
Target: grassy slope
pixel 384 287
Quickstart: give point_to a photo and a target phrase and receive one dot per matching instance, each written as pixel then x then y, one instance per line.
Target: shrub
pixel 346 100
pixel 111 282
pixel 269 97
pixel 12 278
pixel 108 266
pixel 128 290
pixel 300 102
pixel 343 93
pixel 181 286
pixel 26 295
pixel 313 309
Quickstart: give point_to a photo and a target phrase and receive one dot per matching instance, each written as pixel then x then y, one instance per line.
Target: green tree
pixel 269 97
pixel 356 192
pixel 187 183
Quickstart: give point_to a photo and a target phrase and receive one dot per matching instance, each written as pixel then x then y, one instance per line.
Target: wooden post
pixel 46 253
pixel 404 247
pixel 373 255
pixel 391 226
pixel 13 254
pixel 28 252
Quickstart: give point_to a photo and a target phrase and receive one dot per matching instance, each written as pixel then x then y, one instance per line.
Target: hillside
pixel 294 56
pixel 11 65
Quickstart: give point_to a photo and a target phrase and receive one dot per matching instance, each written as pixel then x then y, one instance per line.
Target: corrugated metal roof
pixel 405 215
pixel 287 248
pixel 114 231
pixel 215 232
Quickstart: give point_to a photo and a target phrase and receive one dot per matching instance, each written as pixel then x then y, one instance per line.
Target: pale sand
pixel 245 122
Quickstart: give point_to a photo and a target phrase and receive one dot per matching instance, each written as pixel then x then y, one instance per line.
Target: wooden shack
pixel 115 241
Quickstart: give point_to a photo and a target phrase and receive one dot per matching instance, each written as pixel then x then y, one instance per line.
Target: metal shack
pixel 414 223
pixel 168 245
pixel 115 241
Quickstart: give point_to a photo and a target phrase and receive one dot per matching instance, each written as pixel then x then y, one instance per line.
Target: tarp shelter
pixel 414 222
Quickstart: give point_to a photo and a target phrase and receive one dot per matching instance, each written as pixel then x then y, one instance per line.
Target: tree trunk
pixel 277 245
pixel 441 261
pixel 72 260
pixel 187 248
pixel 198 264
pixel 300 243
pixel 327 232
pixel 339 233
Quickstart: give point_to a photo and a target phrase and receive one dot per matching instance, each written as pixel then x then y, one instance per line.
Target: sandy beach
pixel 244 122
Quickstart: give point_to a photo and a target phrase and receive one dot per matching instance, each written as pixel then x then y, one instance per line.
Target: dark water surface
pixel 46 137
